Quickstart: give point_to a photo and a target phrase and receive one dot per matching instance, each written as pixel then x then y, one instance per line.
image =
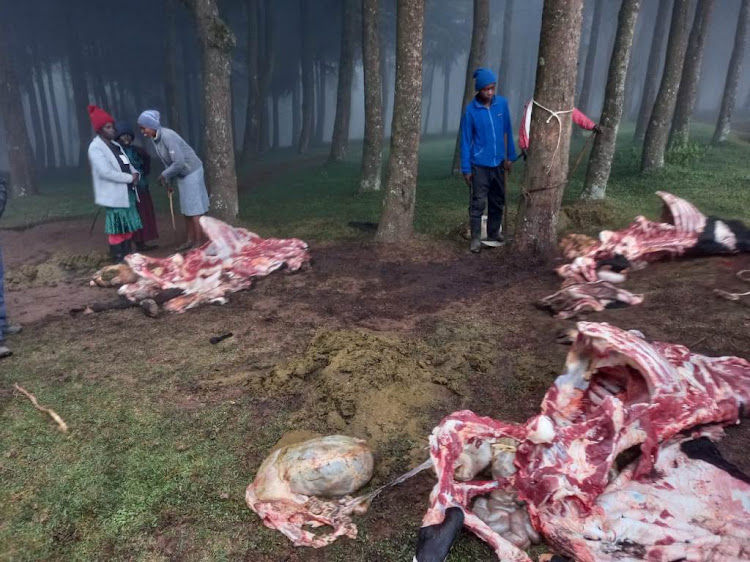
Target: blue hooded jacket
pixel 482 134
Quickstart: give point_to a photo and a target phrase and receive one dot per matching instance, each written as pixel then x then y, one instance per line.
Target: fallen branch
pixel 58 420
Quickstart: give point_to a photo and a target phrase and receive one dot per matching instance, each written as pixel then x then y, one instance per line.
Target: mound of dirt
pixel 370 385
pixel 587 215
pixel 54 270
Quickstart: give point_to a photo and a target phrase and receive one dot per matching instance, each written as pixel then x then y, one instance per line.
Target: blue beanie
pixel 483 77
pixel 150 118
pixel 124 128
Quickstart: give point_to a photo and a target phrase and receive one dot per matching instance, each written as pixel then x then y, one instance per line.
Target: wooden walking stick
pixel 170 191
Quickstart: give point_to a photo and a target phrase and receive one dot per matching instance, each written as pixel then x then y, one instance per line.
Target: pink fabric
pixel 119 238
pixel 579 118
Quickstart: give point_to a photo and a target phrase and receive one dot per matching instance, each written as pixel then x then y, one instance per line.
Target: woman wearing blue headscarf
pixel 183 165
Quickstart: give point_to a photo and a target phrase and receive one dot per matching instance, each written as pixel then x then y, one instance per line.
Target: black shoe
pixel 4 352
pixel 476 245
pixel 115 252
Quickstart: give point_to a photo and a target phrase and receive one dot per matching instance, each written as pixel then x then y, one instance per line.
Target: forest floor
pixel 167 430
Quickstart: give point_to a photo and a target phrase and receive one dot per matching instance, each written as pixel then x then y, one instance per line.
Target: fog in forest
pixel 69 54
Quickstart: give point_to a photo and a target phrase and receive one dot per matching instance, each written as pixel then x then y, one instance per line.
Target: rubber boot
pixel 115 252
pixel 476 234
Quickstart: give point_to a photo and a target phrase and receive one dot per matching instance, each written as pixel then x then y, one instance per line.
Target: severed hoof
pixel 434 542
pixel 150 307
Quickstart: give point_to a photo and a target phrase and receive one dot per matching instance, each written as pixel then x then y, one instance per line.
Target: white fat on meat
pixel 475 457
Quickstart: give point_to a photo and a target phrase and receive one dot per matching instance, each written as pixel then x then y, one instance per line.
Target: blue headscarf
pixel 483 77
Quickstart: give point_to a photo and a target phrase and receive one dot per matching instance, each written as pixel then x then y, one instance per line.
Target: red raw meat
pixel 227 263
pixel 618 393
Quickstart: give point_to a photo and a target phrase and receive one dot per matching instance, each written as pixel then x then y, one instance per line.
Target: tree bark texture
pixel 250 139
pixel 547 165
pixel 584 100
pixel 217 42
pixel 657 134
pixel 728 101
pixel 171 91
pixel 20 157
pixel 652 71
pixel 600 161
pixel 265 69
pixel 36 120
pixel 477 56
pixel 505 56
pixel 53 126
pixel 372 148
pixel 397 221
pixel 340 137
pixel 691 71
pixel 308 79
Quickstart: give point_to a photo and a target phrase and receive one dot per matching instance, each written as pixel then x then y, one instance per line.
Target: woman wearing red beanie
pixel 114 180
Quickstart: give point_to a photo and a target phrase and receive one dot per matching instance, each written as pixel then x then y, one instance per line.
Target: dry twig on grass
pixel 58 420
pixel 743 275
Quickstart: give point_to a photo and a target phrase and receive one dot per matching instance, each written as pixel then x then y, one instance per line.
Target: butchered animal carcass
pixel 609 469
pixel 227 263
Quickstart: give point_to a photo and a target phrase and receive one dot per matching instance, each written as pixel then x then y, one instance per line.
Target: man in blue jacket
pixel 485 128
pixel 5 328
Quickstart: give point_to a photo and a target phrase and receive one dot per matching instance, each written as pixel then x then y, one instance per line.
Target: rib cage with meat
pixel 619 394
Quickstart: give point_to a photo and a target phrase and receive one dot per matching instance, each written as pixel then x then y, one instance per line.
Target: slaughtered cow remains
pixel 227 263
pixel 596 266
pixel 619 464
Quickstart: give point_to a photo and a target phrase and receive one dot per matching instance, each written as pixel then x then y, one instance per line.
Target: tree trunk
pixel 308 78
pixel 584 101
pixel 372 148
pixel 275 143
pixel 58 140
pixel 728 101
pixel 385 81
pixel 49 135
pixel 340 137
pixel 265 69
pixel 40 150
pixel 652 72
pixel 296 109
pixel 80 90
pixel 476 59
pixel 635 68
pixel 397 221
pixel 427 92
pixel 217 42
pixel 171 91
pixel 20 158
pixel 250 139
pixel 503 75
pixel 655 143
pixel 600 162
pixel 547 165
pixel 691 70
pixel 320 114
pixel 446 98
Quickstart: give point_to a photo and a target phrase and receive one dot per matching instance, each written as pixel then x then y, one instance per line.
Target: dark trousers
pixel 487 187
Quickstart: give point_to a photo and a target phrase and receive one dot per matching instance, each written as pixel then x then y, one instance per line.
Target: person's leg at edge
pixel 479 187
pixel 495 203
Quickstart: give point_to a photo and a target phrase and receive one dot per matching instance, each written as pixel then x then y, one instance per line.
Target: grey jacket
pixel 110 182
pixel 178 158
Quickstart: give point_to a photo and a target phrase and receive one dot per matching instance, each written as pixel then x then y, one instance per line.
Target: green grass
pixel 293 196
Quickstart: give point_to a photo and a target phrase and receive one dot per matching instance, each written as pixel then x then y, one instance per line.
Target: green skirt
pixel 120 221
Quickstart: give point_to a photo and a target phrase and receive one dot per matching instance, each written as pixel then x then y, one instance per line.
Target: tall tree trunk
pixel 728 101
pixel 217 42
pixel 600 162
pixel 80 90
pixel 320 114
pixel 476 59
pixel 372 147
pixel 505 57
pixel 20 158
pixel 584 101
pixel 171 91
pixel 58 134
pixel 635 68
pixel 397 221
pixel 49 136
pixel 265 69
pixel 652 72
pixel 308 78
pixel 275 142
pixel 691 70
pixel 385 80
pixel 250 139
pixel 547 165
pixel 446 98
pixel 655 143
pixel 587 22
pixel 340 137
pixel 296 109
pixel 40 150
pixel 427 92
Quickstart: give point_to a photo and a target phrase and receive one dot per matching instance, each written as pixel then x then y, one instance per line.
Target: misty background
pixel 118 53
